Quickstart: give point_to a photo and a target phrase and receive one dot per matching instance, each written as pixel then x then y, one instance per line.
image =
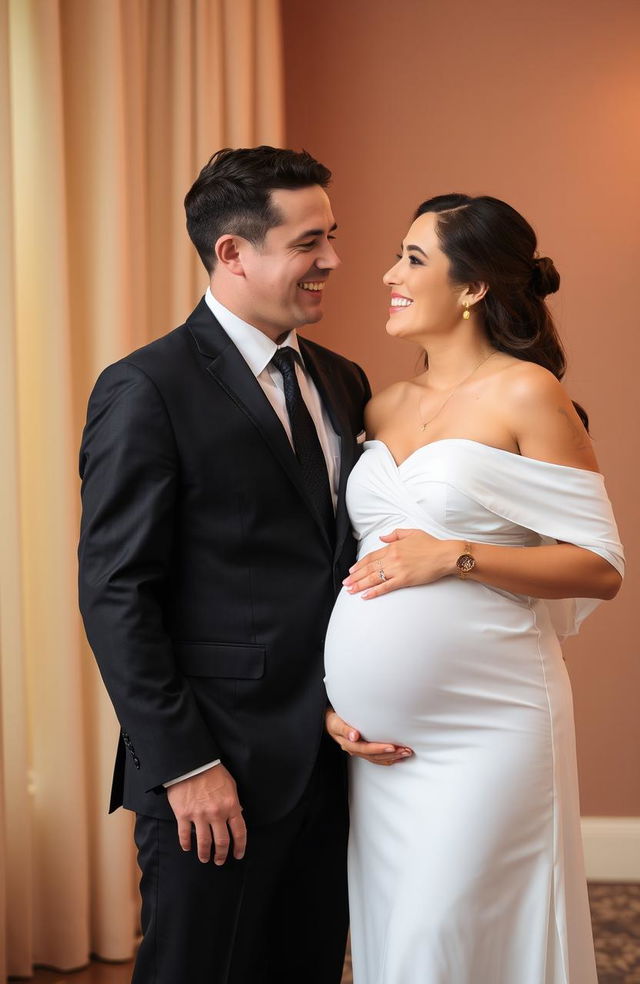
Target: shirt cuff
pixel 195 772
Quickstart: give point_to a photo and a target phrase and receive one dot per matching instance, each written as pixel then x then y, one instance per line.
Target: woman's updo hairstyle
pixel 487 241
pixel 545 279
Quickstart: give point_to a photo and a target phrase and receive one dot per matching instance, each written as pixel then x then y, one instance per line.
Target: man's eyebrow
pixel 314 232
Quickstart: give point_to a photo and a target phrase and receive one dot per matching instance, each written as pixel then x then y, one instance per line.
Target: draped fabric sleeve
pixel 559 503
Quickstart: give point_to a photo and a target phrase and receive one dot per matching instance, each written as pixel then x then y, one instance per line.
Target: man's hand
pixel 209 802
pixel 351 742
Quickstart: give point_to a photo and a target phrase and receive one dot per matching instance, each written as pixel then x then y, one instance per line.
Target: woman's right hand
pixel 352 742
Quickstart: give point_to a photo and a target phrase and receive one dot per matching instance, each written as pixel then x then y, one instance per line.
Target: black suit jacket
pixel 206 578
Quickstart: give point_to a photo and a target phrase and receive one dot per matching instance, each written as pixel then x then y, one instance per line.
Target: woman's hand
pixel 413 557
pixel 560 570
pixel 352 742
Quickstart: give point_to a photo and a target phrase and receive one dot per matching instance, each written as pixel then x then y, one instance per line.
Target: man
pixel 214 540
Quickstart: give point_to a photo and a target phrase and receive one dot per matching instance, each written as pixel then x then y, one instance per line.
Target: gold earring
pixel 466 314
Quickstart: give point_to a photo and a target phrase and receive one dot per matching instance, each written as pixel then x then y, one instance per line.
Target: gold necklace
pixel 456 387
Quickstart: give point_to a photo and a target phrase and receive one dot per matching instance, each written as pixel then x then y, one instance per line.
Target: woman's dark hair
pixel 232 194
pixel 487 241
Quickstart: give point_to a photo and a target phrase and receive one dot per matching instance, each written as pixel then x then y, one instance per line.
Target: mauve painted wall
pixel 538 104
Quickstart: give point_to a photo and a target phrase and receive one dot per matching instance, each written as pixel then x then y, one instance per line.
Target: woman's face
pixel 423 301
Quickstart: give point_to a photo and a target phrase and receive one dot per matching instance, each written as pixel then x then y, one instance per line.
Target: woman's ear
pixel 474 292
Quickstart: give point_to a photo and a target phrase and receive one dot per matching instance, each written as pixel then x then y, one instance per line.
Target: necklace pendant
pixel 423 427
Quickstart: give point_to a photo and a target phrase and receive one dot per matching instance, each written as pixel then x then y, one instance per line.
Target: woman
pixel 481 482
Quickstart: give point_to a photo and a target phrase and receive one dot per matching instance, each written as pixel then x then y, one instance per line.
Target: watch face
pixel 465 563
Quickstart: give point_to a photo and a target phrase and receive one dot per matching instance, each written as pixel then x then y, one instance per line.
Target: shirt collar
pixel 254 346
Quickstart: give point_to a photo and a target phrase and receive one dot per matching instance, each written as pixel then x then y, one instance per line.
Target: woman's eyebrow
pixel 418 249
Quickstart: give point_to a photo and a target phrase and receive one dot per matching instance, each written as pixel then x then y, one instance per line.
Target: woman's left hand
pixel 412 557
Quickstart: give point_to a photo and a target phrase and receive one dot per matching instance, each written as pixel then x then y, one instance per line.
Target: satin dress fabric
pixel 465 860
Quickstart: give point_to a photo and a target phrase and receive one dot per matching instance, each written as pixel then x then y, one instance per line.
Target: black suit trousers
pixel 279 916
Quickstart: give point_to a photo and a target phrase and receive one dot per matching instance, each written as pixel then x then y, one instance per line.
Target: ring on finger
pixel 382 575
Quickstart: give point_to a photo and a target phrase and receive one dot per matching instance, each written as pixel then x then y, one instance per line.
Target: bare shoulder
pixel 523 382
pixel 384 405
pixel 542 417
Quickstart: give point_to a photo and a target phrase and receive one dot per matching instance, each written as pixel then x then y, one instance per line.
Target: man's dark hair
pixel 232 194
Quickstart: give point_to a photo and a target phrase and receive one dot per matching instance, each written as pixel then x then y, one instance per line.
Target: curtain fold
pixel 108 109
pixel 16 928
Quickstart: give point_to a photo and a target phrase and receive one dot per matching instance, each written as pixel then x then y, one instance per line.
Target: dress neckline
pixel 478 444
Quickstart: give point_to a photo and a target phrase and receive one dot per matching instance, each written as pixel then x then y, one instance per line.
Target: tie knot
pixel 284 359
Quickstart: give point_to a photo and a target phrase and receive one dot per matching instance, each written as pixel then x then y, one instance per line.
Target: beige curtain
pixel 108 108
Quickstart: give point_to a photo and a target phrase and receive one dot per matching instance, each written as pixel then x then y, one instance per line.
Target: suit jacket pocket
pixel 226 660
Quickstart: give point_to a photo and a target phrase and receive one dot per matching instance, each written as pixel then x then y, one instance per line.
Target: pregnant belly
pixel 429 655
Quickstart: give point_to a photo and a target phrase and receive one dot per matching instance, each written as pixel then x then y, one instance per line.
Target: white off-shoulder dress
pixel 465 860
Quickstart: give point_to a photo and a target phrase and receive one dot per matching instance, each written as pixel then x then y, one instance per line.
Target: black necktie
pixel 305 440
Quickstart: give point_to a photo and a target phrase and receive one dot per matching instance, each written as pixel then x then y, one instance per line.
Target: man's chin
pixel 311 317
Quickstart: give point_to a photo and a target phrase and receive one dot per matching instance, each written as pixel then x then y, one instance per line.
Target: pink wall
pixel 538 104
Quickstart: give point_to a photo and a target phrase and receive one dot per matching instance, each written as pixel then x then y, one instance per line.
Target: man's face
pixel 285 276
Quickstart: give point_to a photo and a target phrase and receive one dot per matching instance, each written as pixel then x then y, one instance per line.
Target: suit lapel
pixel 340 422
pixel 232 373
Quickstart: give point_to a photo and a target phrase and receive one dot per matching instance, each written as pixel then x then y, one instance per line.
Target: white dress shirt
pixel 258 350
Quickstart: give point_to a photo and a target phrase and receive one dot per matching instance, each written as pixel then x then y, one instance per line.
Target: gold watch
pixel 466 562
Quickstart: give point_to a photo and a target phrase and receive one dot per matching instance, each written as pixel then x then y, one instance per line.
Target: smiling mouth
pixel 400 302
pixel 312 285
